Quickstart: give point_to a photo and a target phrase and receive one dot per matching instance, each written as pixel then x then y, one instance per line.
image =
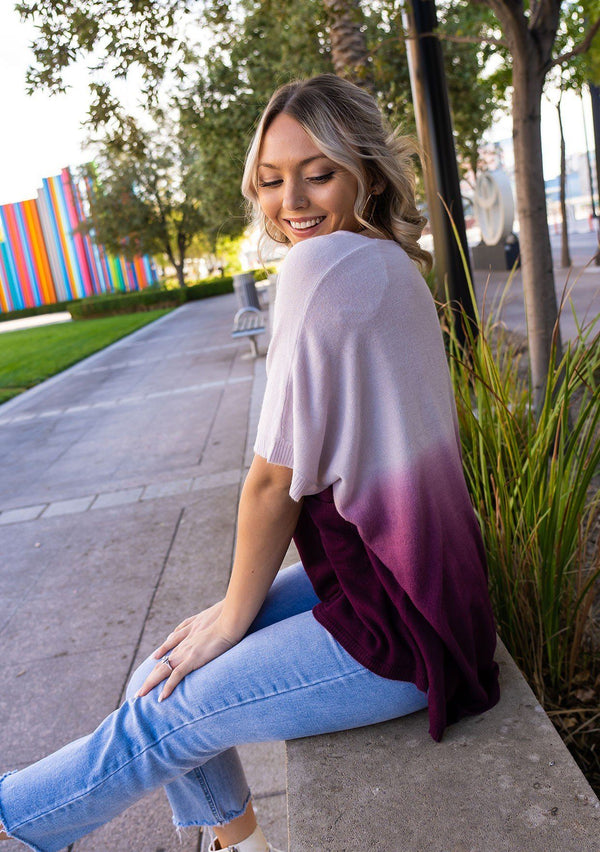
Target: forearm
pixel 267 518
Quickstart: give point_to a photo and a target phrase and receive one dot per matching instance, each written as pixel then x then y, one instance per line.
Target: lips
pixel 300 225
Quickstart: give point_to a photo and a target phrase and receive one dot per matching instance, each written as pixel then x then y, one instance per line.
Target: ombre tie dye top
pixel 359 405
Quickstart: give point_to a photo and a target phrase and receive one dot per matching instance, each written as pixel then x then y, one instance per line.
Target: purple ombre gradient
pixel 402 582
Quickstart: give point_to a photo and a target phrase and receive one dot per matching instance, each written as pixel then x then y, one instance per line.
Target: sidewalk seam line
pixel 149 608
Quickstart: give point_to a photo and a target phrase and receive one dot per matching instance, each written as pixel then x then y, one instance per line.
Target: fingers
pixel 186 622
pixel 183 629
pixel 190 654
pixel 172 640
pixel 173 673
pixel 160 671
pixel 176 676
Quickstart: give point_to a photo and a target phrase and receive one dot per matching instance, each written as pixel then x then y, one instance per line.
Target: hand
pixel 200 620
pixel 195 642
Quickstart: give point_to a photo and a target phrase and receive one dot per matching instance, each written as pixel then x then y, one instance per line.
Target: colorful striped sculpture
pixel 45 259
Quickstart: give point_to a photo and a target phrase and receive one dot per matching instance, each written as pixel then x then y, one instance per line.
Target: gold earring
pixel 276 239
pixel 368 219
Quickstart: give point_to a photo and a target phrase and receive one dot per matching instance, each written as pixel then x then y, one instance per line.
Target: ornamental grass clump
pixel 534 484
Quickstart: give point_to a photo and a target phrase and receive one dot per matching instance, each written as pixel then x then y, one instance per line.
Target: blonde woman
pixel 357 459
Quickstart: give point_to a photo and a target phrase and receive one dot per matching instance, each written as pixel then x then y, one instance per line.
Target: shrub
pixel 34 312
pixel 531 482
pixel 209 287
pixel 263 273
pixel 111 304
pixel 152 298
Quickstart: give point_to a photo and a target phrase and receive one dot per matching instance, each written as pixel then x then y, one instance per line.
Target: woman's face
pixel 302 191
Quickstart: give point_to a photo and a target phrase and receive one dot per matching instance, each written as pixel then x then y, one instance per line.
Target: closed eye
pixel 267 183
pixel 322 178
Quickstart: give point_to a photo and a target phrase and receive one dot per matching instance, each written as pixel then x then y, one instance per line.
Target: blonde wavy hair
pixel 346 124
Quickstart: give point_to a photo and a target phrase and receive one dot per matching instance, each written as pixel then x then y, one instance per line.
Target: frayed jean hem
pixel 5 828
pixel 227 818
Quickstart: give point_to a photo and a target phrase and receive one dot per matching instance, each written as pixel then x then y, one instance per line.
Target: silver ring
pixel 166 660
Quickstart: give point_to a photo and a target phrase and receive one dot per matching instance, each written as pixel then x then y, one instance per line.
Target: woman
pixel 357 459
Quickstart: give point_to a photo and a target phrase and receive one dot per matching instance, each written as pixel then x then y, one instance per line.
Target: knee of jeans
pixel 138 677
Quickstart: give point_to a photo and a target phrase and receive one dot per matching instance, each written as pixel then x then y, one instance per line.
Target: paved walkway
pixel 578 287
pixel 118 494
pixel 35 321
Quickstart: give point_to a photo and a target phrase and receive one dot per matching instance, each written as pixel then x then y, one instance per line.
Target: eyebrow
pixel 302 162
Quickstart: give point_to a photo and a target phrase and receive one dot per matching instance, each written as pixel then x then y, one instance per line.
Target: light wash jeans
pixel 287 678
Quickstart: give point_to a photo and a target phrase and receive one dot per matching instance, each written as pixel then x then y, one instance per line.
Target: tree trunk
pixel 348 44
pixel 595 100
pixel 182 246
pixel 180 274
pixel 536 253
pixel 565 256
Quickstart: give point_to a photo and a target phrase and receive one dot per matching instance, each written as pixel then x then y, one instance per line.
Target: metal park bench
pixel 249 322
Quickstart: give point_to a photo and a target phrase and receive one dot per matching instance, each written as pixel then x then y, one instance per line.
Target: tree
pixel 257 46
pixel 261 43
pixel 476 75
pixel 115 38
pixel 565 255
pixel 147 192
pixel 270 40
pixel 529 32
pixel 254 45
pixel 573 76
pixel 349 52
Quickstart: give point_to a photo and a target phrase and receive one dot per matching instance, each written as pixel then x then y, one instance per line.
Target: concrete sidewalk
pixel 500 295
pixel 118 494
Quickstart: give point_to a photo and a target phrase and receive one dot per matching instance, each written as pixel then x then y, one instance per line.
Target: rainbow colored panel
pixel 45 257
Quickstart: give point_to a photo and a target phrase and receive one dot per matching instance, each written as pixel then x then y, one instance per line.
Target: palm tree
pixel 348 44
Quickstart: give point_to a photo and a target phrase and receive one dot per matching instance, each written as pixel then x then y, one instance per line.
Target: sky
pixel 41 134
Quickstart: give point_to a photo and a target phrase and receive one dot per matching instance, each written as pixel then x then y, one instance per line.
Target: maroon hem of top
pixel 356 652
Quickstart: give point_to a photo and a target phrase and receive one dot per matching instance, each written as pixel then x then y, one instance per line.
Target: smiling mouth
pixel 304 224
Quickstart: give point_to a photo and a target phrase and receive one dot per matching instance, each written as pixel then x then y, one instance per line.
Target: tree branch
pixel 536 12
pixel 163 220
pixel 497 42
pixel 510 14
pixel 583 46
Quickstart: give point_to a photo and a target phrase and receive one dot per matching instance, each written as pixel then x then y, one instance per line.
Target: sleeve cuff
pixel 279 452
pixel 283 453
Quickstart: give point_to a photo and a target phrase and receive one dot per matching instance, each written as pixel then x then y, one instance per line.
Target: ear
pixel 377 186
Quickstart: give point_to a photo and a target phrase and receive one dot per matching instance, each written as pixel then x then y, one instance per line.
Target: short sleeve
pixel 307 367
pixel 297 414
pixel 354 366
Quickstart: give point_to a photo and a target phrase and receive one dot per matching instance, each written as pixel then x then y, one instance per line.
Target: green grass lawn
pixel 29 356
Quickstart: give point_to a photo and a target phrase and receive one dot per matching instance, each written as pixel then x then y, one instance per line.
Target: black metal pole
pixel 434 126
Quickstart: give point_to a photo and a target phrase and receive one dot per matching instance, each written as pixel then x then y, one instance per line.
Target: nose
pixel 293 197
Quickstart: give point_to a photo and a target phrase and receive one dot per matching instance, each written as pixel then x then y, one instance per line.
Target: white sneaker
pixel 255 843
pixel 237 848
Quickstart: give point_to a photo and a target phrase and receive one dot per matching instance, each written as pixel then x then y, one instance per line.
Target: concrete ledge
pixel 500 782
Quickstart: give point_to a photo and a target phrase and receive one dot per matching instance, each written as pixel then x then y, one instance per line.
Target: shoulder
pixel 322 255
pixel 345 260
pixel 350 280
pixel 340 258
pixel 328 247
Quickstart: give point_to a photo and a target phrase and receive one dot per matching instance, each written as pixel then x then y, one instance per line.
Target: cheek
pixel 266 205
pixel 344 197
pixel 346 203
